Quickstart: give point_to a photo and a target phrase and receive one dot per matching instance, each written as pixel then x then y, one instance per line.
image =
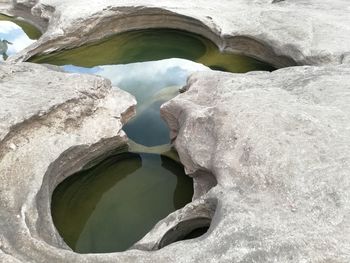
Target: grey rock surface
pixel 284 33
pixel 277 143
pixel 279 146
pixel 51 124
pixel 269 152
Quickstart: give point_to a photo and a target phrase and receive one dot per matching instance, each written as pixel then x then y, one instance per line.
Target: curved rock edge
pixel 63 30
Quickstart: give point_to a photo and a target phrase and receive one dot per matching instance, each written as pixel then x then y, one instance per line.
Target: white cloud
pixel 7 26
pixel 13 33
pixel 147 70
pixel 19 43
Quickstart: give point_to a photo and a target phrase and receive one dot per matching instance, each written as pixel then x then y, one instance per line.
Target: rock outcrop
pixel 51 124
pixel 269 152
pixel 283 33
pixel 278 145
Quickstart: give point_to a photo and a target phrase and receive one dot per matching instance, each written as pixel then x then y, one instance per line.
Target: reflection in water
pixel 150 45
pixel 111 206
pixel 14 35
pixel 31 31
pixel 146 80
pixel 152 83
pixel 108 207
pixel 3 48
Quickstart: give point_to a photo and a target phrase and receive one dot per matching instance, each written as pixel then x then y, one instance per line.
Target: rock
pixel 22 9
pixel 270 200
pixel 52 124
pixel 284 34
pixel 269 152
pixel 278 145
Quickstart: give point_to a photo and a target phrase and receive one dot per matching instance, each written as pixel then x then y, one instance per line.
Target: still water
pixel 133 191
pixel 19 34
pixel 152 83
pixel 130 193
pixel 111 206
pixel 151 45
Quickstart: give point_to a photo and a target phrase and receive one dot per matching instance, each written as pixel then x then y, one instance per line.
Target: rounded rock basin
pixel 110 206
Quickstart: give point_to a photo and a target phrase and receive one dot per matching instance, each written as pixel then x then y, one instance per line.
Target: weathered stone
pixel 284 33
pixel 273 196
pixel 51 124
pixel 279 146
pixel 269 152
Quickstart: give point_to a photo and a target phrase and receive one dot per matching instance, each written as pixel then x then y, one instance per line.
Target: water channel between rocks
pixel 111 206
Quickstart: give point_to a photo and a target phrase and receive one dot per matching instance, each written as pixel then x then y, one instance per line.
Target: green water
pixel 130 193
pixel 150 45
pixel 113 205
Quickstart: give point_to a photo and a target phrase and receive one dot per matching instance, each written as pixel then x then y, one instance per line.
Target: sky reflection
pixel 13 33
pixel 152 83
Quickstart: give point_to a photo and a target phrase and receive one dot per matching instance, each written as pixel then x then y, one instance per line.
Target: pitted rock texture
pixel 283 33
pixel 279 146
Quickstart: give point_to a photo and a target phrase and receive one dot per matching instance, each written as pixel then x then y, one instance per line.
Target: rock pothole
pixel 152 82
pixel 271 195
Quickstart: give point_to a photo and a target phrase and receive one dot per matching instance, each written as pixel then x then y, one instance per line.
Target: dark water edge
pixel 151 45
pixel 109 206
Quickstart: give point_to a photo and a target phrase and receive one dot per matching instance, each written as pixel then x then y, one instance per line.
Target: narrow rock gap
pixel 184 230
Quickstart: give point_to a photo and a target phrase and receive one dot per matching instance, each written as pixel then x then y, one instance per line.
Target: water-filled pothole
pixel 152 83
pixel 110 206
pixel 15 35
pixel 150 45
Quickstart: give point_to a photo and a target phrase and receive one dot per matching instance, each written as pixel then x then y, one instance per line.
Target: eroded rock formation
pixel 269 152
pixel 51 123
pixel 284 33
pixel 279 146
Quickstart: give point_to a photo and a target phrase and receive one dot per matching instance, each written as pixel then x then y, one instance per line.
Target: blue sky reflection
pixel 13 33
pixel 152 83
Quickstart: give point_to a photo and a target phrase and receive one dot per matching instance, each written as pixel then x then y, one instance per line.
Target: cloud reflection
pixel 13 33
pixel 144 79
pixel 152 83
